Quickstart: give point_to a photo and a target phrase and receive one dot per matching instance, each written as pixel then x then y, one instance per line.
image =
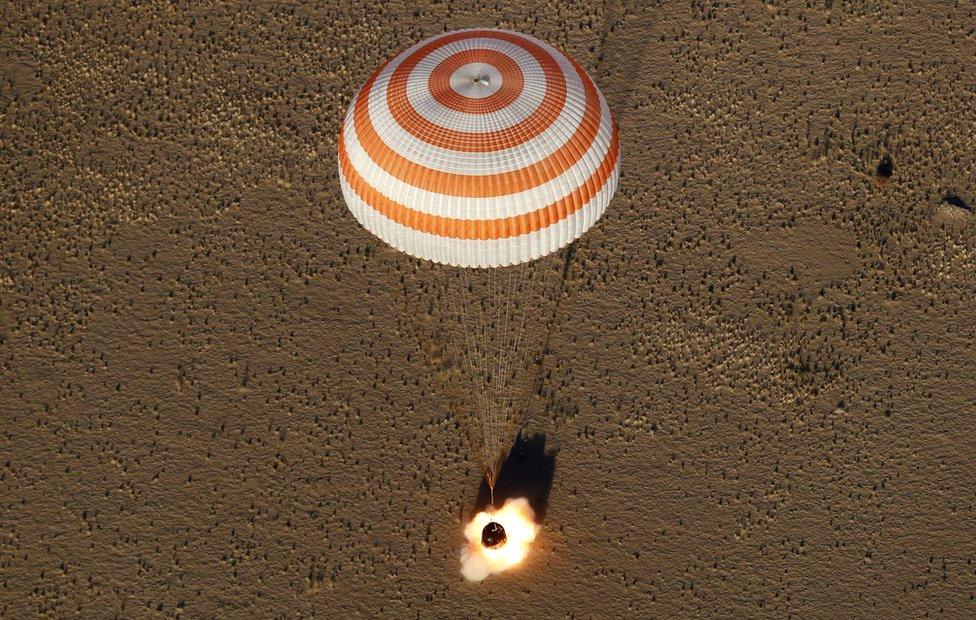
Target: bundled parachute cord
pixel 495 323
pixel 490 310
pixel 460 292
pixel 486 314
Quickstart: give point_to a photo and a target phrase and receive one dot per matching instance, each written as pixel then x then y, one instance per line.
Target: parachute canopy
pixel 479 148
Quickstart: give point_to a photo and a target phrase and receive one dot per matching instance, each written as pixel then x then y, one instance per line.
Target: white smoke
pixel 518 519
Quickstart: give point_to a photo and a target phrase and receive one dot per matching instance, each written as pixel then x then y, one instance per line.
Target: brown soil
pixel 215 398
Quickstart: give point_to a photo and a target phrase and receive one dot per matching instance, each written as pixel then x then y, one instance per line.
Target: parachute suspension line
pixel 513 296
pixel 525 310
pixel 503 361
pixel 459 287
pixel 504 289
pixel 486 304
pixel 491 308
pixel 491 321
pixel 473 325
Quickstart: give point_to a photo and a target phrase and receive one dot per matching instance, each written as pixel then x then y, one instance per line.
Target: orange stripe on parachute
pixel 423 129
pixel 500 228
pixel 473 185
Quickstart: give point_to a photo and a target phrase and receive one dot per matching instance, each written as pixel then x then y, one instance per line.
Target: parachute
pixel 486 152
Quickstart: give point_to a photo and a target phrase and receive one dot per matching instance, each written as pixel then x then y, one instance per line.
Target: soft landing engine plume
pixel 518 520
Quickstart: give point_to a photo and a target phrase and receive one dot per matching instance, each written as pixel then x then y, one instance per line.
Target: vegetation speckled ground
pixel 216 399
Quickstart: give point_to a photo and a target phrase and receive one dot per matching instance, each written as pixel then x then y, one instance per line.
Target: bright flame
pixel 518 519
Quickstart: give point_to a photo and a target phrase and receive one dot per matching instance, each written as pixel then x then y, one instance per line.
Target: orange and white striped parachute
pixel 483 150
pixel 479 148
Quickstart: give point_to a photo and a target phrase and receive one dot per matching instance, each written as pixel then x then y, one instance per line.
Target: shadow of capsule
pixel 527 472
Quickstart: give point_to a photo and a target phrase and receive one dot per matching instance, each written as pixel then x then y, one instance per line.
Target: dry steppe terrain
pixel 219 394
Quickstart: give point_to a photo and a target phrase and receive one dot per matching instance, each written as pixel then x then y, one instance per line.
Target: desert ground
pixel 759 397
